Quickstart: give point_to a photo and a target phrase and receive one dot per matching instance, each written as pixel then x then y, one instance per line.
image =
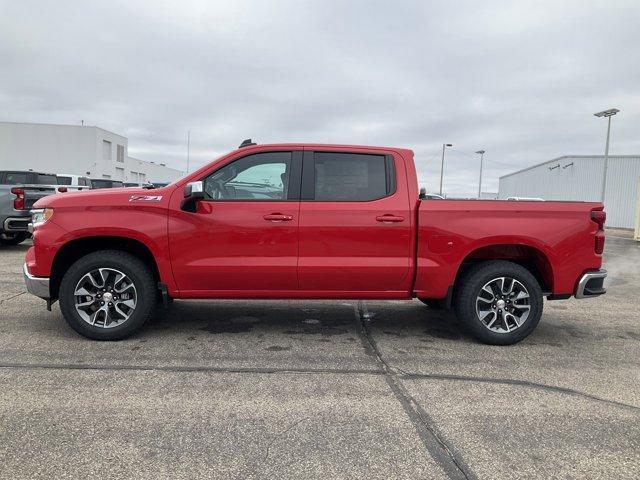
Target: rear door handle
pixel 389 218
pixel 278 217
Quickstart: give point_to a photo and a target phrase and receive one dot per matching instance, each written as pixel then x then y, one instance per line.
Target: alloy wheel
pixel 503 305
pixel 105 297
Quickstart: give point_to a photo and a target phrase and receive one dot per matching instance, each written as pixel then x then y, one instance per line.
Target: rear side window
pixel 351 177
pixel 97 183
pixel 44 179
pixel 62 180
pixel 15 178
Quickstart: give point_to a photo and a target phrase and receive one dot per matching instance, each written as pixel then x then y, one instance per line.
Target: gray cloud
pixel 518 79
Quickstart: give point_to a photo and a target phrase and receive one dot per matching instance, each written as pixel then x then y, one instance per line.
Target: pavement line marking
pixel 187 369
pixel 440 450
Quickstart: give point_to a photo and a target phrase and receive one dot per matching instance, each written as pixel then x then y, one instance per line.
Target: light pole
pixel 188 148
pixel 442 164
pixel 607 114
pixel 481 153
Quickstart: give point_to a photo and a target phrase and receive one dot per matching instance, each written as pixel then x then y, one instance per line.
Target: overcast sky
pixel 518 79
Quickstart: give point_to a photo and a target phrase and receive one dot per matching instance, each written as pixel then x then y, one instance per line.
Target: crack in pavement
pixel 11 297
pixel 303 371
pixel 440 449
pixel 340 371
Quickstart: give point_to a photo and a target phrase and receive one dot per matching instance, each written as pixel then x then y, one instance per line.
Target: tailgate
pixel 33 193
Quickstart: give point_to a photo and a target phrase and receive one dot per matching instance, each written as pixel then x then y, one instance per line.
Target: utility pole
pixel 444 145
pixel 607 114
pixel 188 148
pixel 481 153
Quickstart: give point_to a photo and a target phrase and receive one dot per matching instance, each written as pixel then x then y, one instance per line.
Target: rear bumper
pixel 16 224
pixel 38 286
pixel 591 284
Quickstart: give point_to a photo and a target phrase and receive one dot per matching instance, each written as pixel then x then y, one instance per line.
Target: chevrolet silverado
pixel 309 221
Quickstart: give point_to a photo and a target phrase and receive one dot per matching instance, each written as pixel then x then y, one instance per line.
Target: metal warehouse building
pixel 77 150
pixel 579 177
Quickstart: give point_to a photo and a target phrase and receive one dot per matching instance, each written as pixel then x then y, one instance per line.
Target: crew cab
pixel 309 221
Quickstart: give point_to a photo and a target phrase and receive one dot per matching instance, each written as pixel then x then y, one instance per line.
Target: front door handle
pixel 389 218
pixel 278 217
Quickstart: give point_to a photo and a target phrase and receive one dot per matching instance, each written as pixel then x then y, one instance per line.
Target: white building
pixel 579 177
pixel 78 150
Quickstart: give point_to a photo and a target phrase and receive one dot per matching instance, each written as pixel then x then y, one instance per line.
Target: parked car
pixel 19 190
pixel 525 199
pixel 136 184
pixel 71 182
pixel 105 183
pixel 341 222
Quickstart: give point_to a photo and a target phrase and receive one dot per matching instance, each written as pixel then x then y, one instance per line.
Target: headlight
pixel 40 216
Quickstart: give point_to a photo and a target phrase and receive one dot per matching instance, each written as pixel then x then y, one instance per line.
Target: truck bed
pixel 557 237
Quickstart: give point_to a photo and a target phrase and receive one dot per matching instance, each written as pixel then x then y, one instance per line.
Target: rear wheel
pixel 13 238
pixel 499 302
pixel 107 295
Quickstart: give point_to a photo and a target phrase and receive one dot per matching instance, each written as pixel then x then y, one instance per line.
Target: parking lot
pixel 336 389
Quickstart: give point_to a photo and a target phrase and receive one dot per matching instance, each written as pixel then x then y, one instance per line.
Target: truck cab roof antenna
pixel 247 143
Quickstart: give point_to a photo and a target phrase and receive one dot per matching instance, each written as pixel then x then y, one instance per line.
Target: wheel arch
pixel 73 250
pixel 531 257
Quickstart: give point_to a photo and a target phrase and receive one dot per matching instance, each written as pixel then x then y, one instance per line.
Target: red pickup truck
pixel 310 221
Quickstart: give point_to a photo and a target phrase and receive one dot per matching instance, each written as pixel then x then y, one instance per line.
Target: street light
pixel 607 114
pixel 442 164
pixel 481 153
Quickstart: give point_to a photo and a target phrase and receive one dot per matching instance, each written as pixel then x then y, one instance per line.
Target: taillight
pixel 599 217
pixel 62 189
pixel 18 202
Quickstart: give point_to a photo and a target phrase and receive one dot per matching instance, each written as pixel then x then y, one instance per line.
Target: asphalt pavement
pixel 323 389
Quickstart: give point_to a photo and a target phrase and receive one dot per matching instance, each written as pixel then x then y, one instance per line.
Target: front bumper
pixel 16 224
pixel 591 284
pixel 38 286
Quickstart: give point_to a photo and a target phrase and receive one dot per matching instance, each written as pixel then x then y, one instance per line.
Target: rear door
pixel 355 224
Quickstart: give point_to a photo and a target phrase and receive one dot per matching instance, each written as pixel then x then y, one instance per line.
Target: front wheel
pixel 107 295
pixel 499 302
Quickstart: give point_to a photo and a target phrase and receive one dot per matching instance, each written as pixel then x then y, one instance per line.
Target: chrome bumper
pixel 38 286
pixel 16 224
pixel 591 284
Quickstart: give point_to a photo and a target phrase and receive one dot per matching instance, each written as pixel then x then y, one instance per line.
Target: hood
pixel 105 197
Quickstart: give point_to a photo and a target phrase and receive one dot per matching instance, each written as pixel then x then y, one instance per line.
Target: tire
pixel 433 303
pixel 138 284
pixel 473 301
pixel 13 238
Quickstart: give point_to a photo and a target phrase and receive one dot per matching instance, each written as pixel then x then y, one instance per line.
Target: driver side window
pixel 263 176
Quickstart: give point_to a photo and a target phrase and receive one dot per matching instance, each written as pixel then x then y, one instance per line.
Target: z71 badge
pixel 145 198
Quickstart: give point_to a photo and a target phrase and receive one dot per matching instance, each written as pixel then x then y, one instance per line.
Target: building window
pixel 120 173
pixel 106 150
pixel 120 154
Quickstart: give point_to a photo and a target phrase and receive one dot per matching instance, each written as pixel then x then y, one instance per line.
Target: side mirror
pixel 194 191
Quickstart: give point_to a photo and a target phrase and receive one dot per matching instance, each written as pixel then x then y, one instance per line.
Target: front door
pixel 355 225
pixel 242 240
